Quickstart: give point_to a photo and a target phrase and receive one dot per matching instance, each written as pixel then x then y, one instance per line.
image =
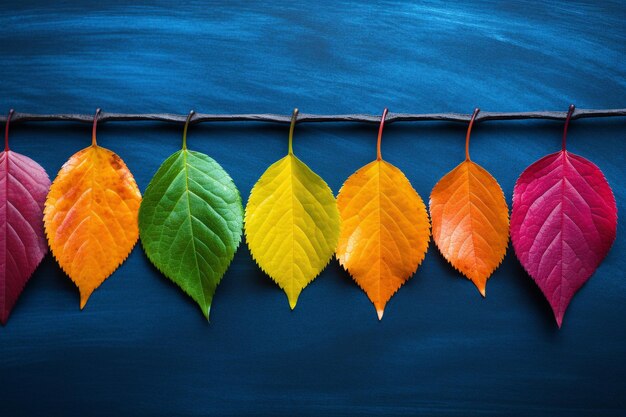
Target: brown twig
pixel 18 118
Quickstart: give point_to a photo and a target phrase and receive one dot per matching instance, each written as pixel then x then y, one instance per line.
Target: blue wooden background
pixel 142 348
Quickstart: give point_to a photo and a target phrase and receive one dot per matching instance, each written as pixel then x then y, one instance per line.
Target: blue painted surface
pixel 142 348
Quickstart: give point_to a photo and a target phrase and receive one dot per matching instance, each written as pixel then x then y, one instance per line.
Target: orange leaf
pixel 90 217
pixel 470 221
pixel 384 230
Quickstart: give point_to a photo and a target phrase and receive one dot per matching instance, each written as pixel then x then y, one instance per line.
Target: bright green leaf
pixel 190 223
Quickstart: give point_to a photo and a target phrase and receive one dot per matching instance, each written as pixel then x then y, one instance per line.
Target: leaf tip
pixel 207 311
pixel 293 294
pixel 380 313
pixel 483 291
pixel 559 319
pixel 83 299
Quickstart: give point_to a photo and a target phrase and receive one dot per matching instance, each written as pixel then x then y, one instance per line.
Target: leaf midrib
pixel 561 232
pixel 471 204
pixel 4 231
pixel 293 222
pixel 380 231
pixel 193 238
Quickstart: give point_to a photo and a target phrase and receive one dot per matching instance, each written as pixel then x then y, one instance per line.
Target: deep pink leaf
pixel 563 224
pixel 23 188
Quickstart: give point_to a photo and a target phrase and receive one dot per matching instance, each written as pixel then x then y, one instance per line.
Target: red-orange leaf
pixel 470 220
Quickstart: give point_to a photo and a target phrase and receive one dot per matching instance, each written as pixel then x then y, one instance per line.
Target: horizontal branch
pixel 309 118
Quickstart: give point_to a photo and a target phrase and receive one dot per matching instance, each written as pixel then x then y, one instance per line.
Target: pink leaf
pixel 563 224
pixel 23 188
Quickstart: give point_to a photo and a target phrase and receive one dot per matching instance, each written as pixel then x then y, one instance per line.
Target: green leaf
pixel 190 223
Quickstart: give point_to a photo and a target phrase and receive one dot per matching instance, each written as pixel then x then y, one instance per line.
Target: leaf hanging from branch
pixel 90 216
pixel 190 222
pixel 384 229
pixel 563 223
pixel 291 223
pixel 470 219
pixel 23 188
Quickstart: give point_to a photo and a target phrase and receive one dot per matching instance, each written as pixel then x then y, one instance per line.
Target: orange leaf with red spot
pixel 90 216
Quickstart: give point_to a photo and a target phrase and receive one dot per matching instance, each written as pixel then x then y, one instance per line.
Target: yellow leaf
pixel 470 220
pixel 291 224
pixel 384 229
pixel 90 217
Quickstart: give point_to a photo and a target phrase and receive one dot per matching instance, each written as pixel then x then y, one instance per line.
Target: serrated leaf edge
pixel 4 320
pixel 330 257
pixel 83 304
pixel 423 257
pixel 237 243
pixel 508 216
pixel 559 323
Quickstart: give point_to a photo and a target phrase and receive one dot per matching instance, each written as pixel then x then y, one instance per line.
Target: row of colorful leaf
pixel 190 222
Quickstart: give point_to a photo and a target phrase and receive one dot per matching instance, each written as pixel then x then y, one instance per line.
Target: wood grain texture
pixel 142 349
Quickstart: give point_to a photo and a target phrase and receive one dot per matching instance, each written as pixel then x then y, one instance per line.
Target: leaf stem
pixel 294 118
pixel 189 117
pixel 6 131
pixel 380 134
pixel 469 131
pixel 93 130
pixel 567 119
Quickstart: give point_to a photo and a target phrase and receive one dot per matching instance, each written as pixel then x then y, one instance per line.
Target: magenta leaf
pixel 563 224
pixel 23 188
